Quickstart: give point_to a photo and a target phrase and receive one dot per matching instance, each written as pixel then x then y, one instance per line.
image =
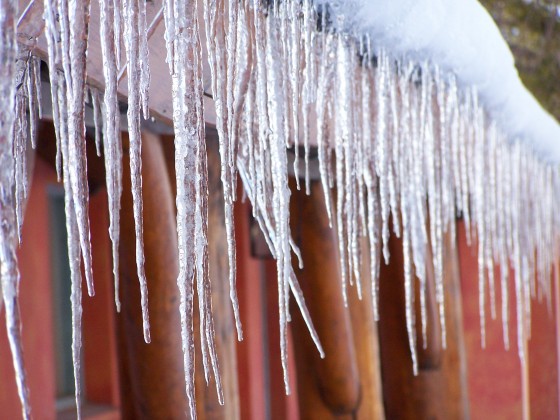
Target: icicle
pixel 52 35
pixel 308 94
pixel 342 140
pixel 75 274
pixel 392 147
pixel 32 99
pixel 112 142
pixel 280 191
pixel 490 215
pixel 479 195
pixel 215 41
pixel 133 46
pixel 435 194
pixel 268 230
pixel 382 152
pixel 184 47
pixel 325 78
pixel 74 26
pixel 407 205
pixel 294 61
pixel 418 222
pixel 20 137
pixel 38 92
pixel 9 273
pixel 95 102
pixel 201 227
pixel 143 59
pixel 503 185
pixel 201 252
pixel 298 295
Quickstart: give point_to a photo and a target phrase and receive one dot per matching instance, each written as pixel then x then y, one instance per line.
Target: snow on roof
pixel 461 37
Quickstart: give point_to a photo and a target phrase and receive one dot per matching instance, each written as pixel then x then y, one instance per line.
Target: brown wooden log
pixel 152 379
pixel 439 391
pixel 328 388
pixel 366 342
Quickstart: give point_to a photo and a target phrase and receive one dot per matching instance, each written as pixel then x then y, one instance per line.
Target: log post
pixel 328 388
pixel 152 379
pixel 439 391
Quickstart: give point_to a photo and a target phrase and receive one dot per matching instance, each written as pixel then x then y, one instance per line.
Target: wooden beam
pixel 152 379
pixel 330 387
pixel 439 390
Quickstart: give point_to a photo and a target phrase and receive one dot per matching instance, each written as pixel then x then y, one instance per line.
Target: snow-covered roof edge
pixel 461 37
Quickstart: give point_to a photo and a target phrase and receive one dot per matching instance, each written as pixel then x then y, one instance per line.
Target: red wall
pixel 36 300
pixel 36 309
pixel 494 374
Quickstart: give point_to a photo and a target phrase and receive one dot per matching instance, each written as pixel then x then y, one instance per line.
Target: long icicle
pixel 215 41
pixel 112 142
pixel 133 47
pixel 74 62
pixel 73 242
pixel 9 273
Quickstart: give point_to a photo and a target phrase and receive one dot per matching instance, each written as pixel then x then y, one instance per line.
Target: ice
pixel 184 60
pixel 415 114
pixel 112 142
pixel 382 150
pixel 96 104
pixel 456 36
pixel 343 167
pixel 264 220
pixel 134 33
pixel 216 44
pixel 33 85
pixel 20 138
pixel 143 60
pixel 74 28
pixel 280 190
pixel 74 261
pixel 9 273
pixel 54 62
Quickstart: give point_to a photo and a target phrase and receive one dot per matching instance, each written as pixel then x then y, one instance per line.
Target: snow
pixel 462 38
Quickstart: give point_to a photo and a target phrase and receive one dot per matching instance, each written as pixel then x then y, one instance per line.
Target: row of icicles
pixel 400 141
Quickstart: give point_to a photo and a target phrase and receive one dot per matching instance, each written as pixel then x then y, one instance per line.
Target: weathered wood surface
pixel 439 391
pixel 344 385
pixel 152 379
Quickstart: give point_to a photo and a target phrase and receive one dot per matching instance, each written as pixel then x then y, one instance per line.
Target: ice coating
pixel 74 27
pixel 74 260
pixel 112 141
pixel 9 273
pixel 218 55
pixel 134 34
pixel 184 60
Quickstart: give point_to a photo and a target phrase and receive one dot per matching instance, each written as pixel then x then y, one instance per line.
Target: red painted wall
pixel 494 374
pixel 36 300
pixel 36 309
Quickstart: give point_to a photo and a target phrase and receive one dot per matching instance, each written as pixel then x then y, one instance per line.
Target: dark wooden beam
pixel 439 391
pixel 152 379
pixel 327 388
